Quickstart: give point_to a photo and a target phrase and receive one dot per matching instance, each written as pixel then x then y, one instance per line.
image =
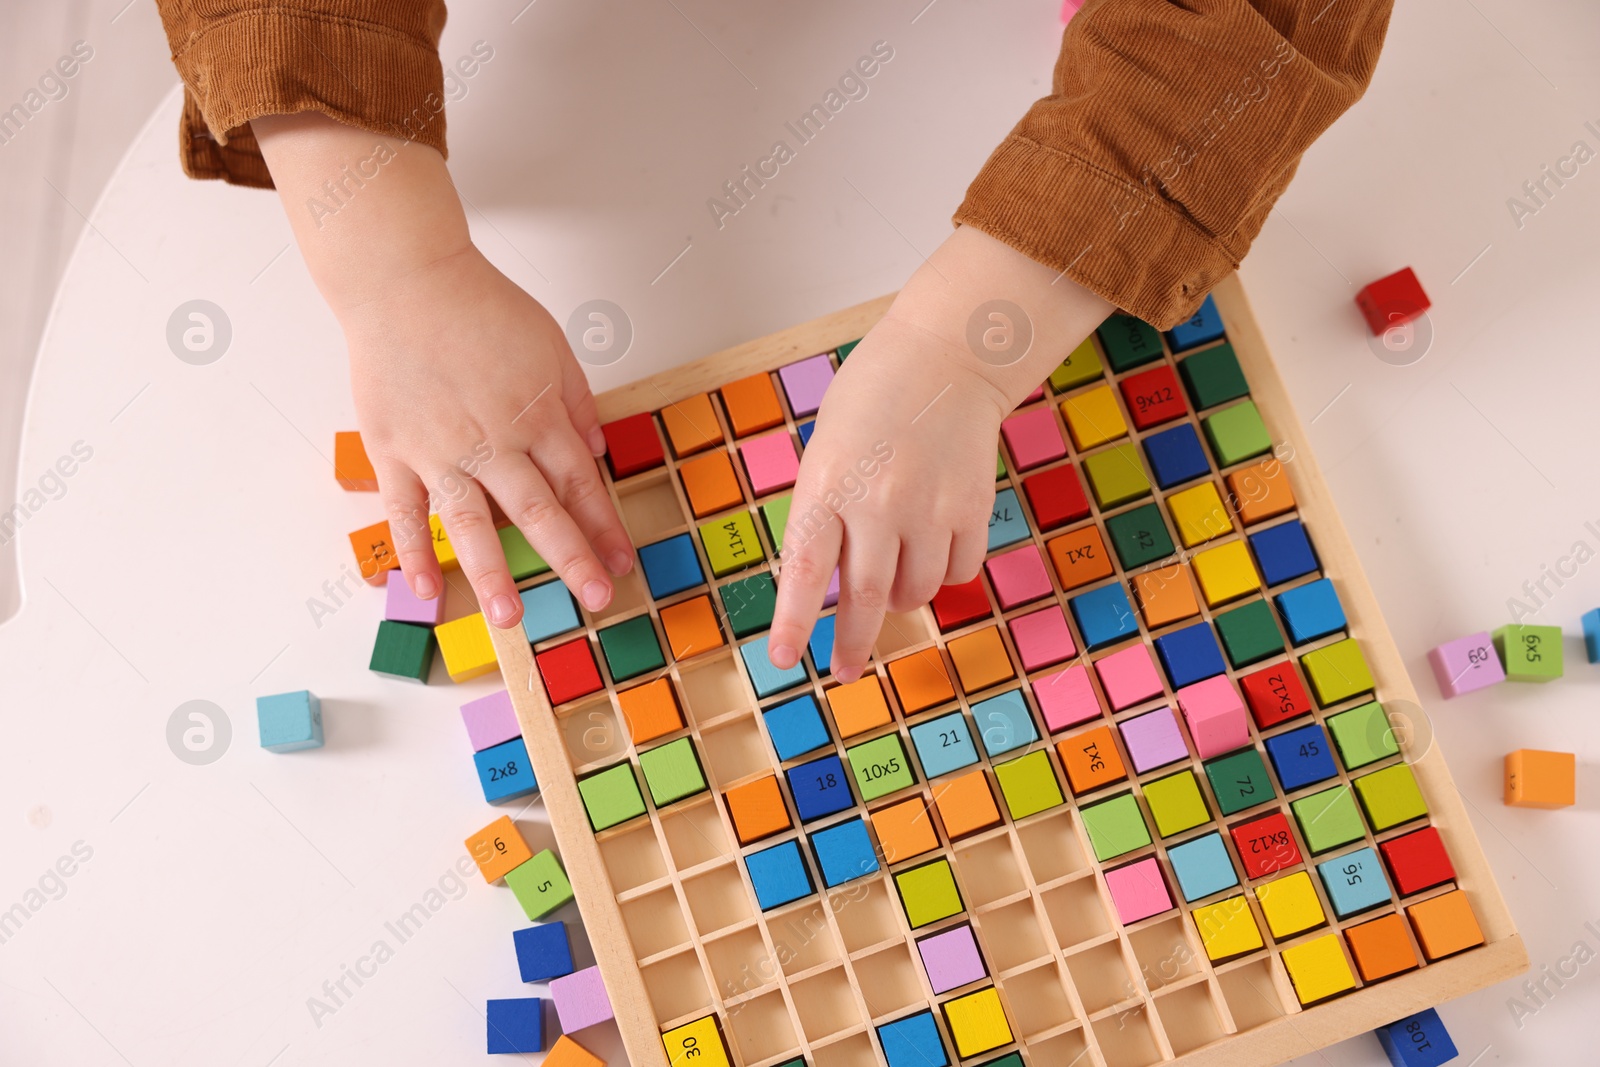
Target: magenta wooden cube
pixel 490 720
pixel 402 605
pixel 1215 715
pixel 1066 698
pixel 1043 638
pixel 771 462
pixel 1466 664
pixel 1128 677
pixel 581 999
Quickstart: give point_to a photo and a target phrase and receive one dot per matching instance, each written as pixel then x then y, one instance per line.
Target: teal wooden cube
pixel 1529 653
pixel 289 722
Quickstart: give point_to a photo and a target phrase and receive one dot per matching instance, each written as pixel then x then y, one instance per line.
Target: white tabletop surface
pixel 177 563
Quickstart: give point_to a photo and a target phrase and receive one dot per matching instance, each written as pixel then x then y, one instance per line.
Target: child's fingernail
pixel 783 657
pixel 619 563
pixel 426 587
pixel 597 442
pixel 596 595
pixel 847 674
pixel 501 609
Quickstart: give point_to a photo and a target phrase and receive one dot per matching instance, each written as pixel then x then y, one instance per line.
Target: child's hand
pixel 897 484
pixel 464 385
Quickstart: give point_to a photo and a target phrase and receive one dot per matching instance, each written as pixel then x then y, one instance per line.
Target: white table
pixel 177 564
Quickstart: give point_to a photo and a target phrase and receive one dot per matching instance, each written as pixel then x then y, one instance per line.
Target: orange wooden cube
pixel 1536 779
pixel 1091 759
pixel 568 1053
pixel 966 804
pixel 651 710
pixel 858 706
pixel 1445 925
pixel 350 463
pixel 1080 557
pixel 1260 491
pixel 1381 948
pixel 1165 595
pixel 752 404
pixel 710 484
pixel 905 830
pixel 981 660
pixel 498 848
pixel 374 549
pixel 757 809
pixel 691 627
pixel 691 425
pixel 920 681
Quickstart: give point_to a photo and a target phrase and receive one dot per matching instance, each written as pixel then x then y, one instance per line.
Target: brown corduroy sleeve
pixel 1172 128
pixel 372 64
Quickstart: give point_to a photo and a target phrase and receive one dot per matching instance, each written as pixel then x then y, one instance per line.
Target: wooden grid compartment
pixel 668 892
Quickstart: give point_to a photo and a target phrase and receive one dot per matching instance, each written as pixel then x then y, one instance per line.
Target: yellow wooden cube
pixel 1290 905
pixel 1226 573
pixel 1227 928
pixel 1318 969
pixel 441 544
pixel 1199 514
pixel 1094 417
pixel 466 647
pixel 696 1044
pixel 977 1022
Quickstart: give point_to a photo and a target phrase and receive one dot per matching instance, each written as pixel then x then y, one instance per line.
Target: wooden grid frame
pixel 649 881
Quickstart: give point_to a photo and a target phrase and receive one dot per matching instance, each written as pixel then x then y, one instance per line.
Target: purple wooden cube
pixel 1153 740
pixel 581 999
pixel 1466 664
pixel 490 720
pixel 404 606
pixel 805 382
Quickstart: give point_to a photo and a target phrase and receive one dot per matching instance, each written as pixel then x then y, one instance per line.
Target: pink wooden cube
pixel 1066 698
pixel 490 720
pixel 1466 664
pixel 402 605
pixel 1128 677
pixel 1215 715
pixel 581 999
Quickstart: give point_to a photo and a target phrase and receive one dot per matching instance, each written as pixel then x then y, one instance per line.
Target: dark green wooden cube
pixel 749 604
pixel 631 648
pixel 1249 633
pixel 1213 377
pixel 1139 536
pixel 403 650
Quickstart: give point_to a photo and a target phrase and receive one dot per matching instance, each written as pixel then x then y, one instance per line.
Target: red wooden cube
pixel 1153 397
pixel 633 445
pixel 1057 496
pixel 568 671
pixel 1275 694
pixel 1392 301
pixel 1418 861
pixel 957 605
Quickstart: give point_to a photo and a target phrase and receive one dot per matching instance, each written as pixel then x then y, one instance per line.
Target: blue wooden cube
pixel 289 721
pixel 1190 655
pixel 1301 757
pixel 543 952
pixel 767 678
pixel 1004 723
pixel 516 1025
pixel 1008 524
pixel 505 772
pixel 1311 611
pixel 805 430
pixel 913 1042
pixel 1176 456
pixel 1203 327
pixel 822 644
pixel 778 875
pixel 1283 553
pixel 844 852
pixel 820 788
pixel 944 744
pixel 1418 1040
pixel 670 566
pixel 548 610
pixel 1203 867
pixel 1355 882
pixel 796 727
pixel 1591 635
pixel 1104 615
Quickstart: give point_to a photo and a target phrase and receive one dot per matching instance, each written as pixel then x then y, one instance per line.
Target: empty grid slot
pixel 1051 848
pixel 801 938
pixel 988 871
pixel 1076 913
pixel 1038 1000
pixel 901 632
pixel 695 834
pixel 1251 994
pixel 888 981
pixel 1064 1050
pixel 825 1004
pixel 677 986
pixel 1010 936
pixel 853 1051
pixel 735 751
pixel 594 733
pixel 712 687
pixel 1189 1018
pixel 866 915
pixel 650 509
pixel 629 596
pixel 740 963
pixel 1165 952
pixel 717 899
pixel 655 923
pixel 1126 1041
pixel 1101 976
pixel 761 1027
pixel 633 858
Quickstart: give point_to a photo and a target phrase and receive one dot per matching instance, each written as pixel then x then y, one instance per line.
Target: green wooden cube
pixel 1390 797
pixel 1129 342
pixel 1029 785
pixel 1240 781
pixel 521 559
pixel 845 349
pixel 749 603
pixel 611 796
pixel 672 771
pixel 1363 735
pixel 1249 634
pixel 631 648
pixel 1116 476
pixel 1236 433
pixel 1337 672
pixel 1529 653
pixel 1081 366
pixel 928 893
pixel 1328 819
pixel 1116 827
pixel 1139 536
pixel 999 467
pixel 540 885
pixel 880 766
pixel 775 515
pixel 1213 377
pixel 403 650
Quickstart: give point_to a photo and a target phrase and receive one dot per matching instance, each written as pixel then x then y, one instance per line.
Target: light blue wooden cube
pixel 290 721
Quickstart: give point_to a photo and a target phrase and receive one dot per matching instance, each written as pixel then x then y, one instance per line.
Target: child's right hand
pixel 464 385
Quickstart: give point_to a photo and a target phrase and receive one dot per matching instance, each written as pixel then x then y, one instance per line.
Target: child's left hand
pixel 897 485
